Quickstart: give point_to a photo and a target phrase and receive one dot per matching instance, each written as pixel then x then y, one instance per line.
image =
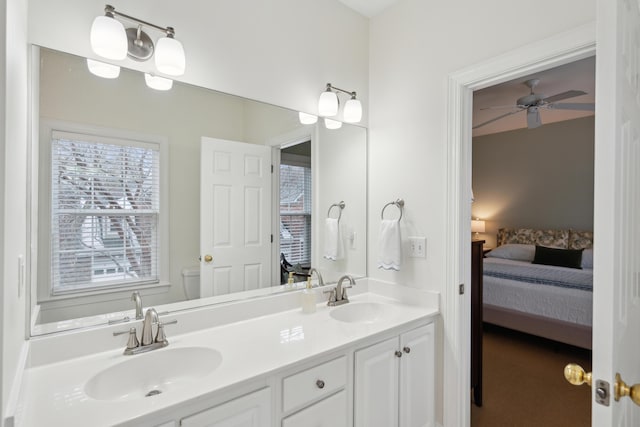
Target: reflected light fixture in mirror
pixel 110 40
pixel 102 69
pixel 329 103
pixel 157 83
pixel 332 124
pixel 307 119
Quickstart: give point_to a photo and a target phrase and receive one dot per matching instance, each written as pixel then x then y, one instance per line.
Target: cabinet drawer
pixel 313 383
pixel 330 412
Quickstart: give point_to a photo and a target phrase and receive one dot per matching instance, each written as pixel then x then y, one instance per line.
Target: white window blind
pixel 295 212
pixel 105 200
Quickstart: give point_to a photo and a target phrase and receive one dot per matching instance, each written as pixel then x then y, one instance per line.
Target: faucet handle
pixel 344 292
pixel 160 336
pixel 332 294
pixel 133 338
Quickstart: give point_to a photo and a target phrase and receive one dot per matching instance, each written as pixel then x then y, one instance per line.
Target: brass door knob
pixel 621 389
pixel 207 258
pixel 576 375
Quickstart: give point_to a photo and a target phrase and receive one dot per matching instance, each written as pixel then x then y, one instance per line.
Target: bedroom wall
pixel 535 178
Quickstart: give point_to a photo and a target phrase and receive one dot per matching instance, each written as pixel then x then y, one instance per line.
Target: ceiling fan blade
pixel 564 95
pixel 497 107
pixel 533 118
pixel 496 118
pixel 573 106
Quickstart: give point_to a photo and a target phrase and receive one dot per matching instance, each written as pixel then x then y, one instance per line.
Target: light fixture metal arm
pixel 110 10
pixel 330 86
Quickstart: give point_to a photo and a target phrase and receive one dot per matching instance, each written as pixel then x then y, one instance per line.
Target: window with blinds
pixel 295 211
pixel 105 199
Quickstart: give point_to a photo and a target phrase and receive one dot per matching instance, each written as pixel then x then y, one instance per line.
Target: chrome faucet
pixel 138 300
pixel 338 295
pixel 315 270
pixel 147 341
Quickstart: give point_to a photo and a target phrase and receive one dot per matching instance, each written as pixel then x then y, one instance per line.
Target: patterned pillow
pixel 529 236
pixel 580 239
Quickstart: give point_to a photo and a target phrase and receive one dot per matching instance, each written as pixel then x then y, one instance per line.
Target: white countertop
pixel 53 394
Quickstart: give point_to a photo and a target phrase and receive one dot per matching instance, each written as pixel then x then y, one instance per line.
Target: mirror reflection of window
pixel 295 206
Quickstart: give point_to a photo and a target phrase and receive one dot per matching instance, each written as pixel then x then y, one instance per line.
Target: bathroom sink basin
pixel 153 373
pixel 360 312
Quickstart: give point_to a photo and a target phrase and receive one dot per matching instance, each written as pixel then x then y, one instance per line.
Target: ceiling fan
pixel 533 102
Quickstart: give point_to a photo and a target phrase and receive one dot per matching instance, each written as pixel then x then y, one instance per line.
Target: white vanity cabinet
pixel 251 410
pixel 394 381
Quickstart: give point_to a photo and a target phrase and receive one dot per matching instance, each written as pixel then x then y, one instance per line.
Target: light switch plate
pixel 417 247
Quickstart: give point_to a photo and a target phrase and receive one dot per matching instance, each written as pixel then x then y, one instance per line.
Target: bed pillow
pixel 571 258
pixel 514 251
pixel 587 258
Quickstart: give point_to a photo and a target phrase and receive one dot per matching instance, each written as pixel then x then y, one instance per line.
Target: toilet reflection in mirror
pixel 71 99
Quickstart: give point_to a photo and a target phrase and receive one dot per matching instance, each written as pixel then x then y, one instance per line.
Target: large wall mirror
pixel 188 196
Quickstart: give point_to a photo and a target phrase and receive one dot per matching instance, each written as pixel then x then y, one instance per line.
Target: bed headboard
pixel 566 239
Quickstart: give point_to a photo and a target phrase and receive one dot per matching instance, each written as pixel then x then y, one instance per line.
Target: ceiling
pixel 368 8
pixel 579 75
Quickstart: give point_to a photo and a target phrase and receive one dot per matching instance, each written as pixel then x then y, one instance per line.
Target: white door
pixel 252 410
pixel 235 217
pixel 330 412
pixel 375 398
pixel 417 379
pixel 616 307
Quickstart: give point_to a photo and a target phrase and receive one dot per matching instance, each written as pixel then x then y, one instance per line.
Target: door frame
pixel 570 46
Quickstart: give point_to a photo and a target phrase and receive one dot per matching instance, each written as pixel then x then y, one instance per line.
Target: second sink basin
pixel 153 373
pixel 360 312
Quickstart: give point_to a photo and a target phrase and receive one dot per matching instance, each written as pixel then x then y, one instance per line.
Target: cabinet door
pixel 252 410
pixel 329 412
pixel 376 385
pixel 417 382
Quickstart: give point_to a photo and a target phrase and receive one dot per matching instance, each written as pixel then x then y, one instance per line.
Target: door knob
pixel 576 375
pixel 207 258
pixel 621 389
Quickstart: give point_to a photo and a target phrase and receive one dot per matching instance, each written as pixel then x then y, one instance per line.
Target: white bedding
pixel 566 304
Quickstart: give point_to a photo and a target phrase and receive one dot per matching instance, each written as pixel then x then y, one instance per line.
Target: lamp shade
pixel 328 104
pixel 101 69
pixel 307 119
pixel 169 56
pixel 352 111
pixel 157 83
pixel 108 38
pixel 477 226
pixel 332 124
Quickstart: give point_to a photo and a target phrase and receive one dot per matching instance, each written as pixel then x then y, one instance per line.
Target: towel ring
pixel 399 203
pixel 340 205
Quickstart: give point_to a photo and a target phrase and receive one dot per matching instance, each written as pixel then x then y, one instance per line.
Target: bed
pixel 551 301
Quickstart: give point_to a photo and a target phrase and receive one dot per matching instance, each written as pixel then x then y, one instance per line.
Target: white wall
pixel 535 178
pixel 13 209
pixel 279 51
pixel 414 46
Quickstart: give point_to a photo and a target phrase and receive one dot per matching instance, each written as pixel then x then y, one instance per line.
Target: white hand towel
pixel 333 246
pixel 390 253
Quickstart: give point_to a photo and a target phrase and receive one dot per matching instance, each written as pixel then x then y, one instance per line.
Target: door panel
pixel 235 216
pixel 417 395
pixel 616 306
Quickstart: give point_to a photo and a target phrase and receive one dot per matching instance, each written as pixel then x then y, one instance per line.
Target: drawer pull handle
pixel 407 349
pixel 398 353
pixel 320 384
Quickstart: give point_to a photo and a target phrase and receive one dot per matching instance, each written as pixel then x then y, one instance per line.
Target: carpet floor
pixel 524 385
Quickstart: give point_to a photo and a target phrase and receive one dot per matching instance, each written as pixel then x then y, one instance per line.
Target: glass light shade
pixel 332 124
pixel 108 38
pixel 307 119
pixel 328 104
pixel 101 69
pixel 477 226
pixel 157 83
pixel 352 111
pixel 169 56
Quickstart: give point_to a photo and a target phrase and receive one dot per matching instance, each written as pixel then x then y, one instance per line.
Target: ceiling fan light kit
pixel 533 102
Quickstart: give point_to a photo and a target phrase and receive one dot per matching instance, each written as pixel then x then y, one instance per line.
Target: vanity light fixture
pixel 332 124
pixel 307 119
pixel 110 40
pixel 157 82
pixel 329 103
pixel 102 69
